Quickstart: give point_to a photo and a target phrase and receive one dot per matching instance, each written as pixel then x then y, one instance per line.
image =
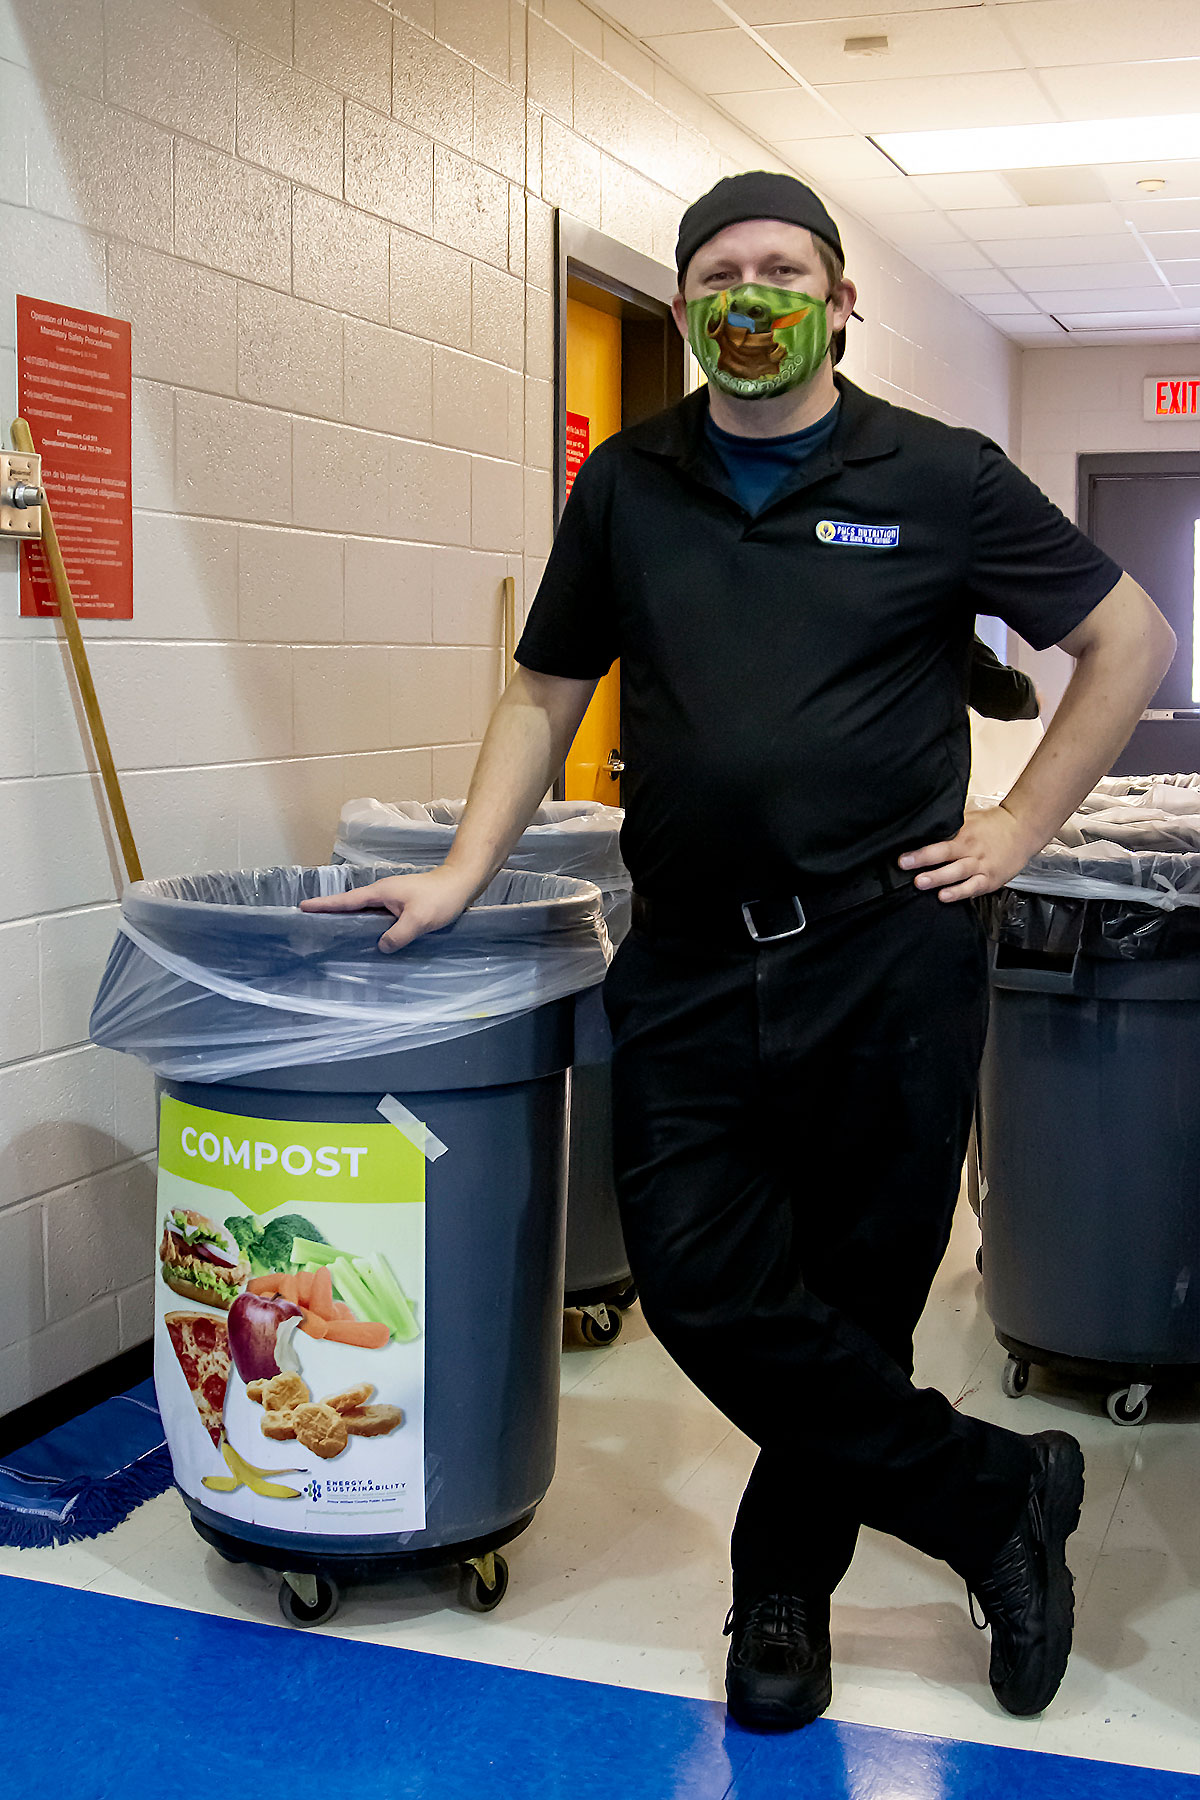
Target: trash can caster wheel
pixel 1128 1406
pixel 1015 1378
pixel 601 1325
pixel 979 1259
pixel 484 1583
pixel 308 1599
pixel 627 1297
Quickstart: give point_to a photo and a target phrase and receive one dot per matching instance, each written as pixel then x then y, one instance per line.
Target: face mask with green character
pixel 754 341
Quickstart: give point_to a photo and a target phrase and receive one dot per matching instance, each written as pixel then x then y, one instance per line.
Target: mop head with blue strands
pixel 84 1477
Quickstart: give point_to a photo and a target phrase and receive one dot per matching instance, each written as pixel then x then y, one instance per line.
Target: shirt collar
pixel 865 429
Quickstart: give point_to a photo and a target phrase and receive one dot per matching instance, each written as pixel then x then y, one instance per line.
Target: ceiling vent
pixel 866 46
pixel 1056 187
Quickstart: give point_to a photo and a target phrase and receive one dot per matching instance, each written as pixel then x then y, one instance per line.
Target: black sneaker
pixel 1026 1594
pixel 777 1676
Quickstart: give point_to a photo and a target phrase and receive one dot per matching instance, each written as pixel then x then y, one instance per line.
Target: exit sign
pixel 1171 396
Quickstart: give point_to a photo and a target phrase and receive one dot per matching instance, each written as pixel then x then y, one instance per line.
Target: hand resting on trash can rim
pixel 420 903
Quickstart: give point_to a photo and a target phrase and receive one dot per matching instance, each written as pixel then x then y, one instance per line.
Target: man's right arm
pixel 523 751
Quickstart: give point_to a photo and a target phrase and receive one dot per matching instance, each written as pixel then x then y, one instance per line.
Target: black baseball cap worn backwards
pixel 756 195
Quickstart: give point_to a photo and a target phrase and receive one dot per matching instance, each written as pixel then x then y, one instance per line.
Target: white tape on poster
pixel 413 1129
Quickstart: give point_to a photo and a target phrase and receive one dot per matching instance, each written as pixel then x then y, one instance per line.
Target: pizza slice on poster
pixel 201 1344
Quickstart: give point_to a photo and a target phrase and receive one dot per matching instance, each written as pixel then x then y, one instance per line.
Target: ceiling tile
pixel 1063 31
pixel 1039 221
pixel 1132 90
pixel 919 228
pixel 941 102
pixel 780 112
pixel 964 40
pixel 1043 253
pixel 977 281
pixel 1181 274
pixel 1087 277
pixel 1177 246
pixel 717 61
pixel 646 17
pixel 791 12
pixel 1180 319
pixel 1056 187
pixel 1033 331
pixel 1121 179
pixel 1159 213
pixel 881 199
pixel 1188 296
pixel 1005 306
pixel 832 159
pixel 939 257
pixel 964 191
pixel 1113 300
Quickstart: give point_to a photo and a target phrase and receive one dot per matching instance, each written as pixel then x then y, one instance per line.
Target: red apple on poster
pixel 254 1321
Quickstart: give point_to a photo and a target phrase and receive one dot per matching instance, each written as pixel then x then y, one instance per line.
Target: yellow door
pixel 594 413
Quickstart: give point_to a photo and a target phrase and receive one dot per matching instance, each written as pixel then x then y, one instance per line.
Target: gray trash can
pixel 362 1165
pixel 567 837
pixel 1090 1140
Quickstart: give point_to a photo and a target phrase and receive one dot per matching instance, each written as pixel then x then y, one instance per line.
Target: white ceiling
pixel 1049 255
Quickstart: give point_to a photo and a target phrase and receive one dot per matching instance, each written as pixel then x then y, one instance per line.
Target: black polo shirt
pixel 793 683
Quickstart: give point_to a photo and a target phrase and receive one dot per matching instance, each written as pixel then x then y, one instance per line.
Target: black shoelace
pixel 1004 1592
pixel 779 1619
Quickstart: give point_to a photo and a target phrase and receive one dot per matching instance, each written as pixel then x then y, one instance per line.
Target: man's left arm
pixel 1122 650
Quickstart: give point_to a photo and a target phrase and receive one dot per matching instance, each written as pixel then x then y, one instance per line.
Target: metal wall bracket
pixel 21 495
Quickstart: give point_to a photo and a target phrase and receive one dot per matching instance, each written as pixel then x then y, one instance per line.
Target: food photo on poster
pixel 292 1386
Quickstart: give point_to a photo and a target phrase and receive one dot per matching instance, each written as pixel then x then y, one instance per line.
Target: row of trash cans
pixel 363 1178
pixel 365 1165
pixel 1089 1118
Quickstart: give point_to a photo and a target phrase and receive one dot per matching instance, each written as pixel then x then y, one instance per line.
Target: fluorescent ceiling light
pixel 1175 138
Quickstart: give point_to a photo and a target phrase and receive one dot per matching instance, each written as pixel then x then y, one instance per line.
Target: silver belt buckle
pixel 774 937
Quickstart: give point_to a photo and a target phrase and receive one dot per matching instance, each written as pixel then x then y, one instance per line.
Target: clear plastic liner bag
pixel 566 837
pixel 1120 882
pixel 215 975
pixel 1170 793
pixel 1127 852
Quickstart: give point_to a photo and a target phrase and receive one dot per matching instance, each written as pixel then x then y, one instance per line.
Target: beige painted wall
pixel 1075 401
pixel 330 223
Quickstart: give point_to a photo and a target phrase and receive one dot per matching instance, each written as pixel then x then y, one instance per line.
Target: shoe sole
pixel 1062 1502
pixel 776 1715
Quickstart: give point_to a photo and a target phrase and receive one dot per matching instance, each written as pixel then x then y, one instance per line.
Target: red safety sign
pixel 73 387
pixel 579 442
pixel 1172 396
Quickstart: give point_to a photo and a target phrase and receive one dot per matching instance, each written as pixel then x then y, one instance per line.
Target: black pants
pixel 790 1123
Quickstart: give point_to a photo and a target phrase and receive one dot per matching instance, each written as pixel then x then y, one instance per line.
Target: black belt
pixel 766 921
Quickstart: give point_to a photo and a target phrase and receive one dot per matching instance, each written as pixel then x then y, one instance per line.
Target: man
pixel 789 571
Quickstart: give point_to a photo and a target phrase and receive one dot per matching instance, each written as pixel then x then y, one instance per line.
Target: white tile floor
pixel 623 1576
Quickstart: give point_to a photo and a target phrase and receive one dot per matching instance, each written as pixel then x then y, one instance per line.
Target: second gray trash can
pixel 1090 1140
pixel 580 838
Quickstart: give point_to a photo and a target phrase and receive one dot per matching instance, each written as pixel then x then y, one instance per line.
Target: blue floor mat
pixel 84 1477
pixel 103 1699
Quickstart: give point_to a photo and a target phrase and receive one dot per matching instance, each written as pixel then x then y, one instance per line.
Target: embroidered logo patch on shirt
pixel 870 537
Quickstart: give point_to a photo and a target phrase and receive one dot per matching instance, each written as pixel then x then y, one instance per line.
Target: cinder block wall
pixel 330 224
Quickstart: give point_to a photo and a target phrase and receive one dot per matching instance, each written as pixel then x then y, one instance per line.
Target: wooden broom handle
pixel 509 586
pixel 22 439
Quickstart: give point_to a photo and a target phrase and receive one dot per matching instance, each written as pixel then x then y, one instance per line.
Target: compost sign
pixel 289 1355
pixel 73 387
